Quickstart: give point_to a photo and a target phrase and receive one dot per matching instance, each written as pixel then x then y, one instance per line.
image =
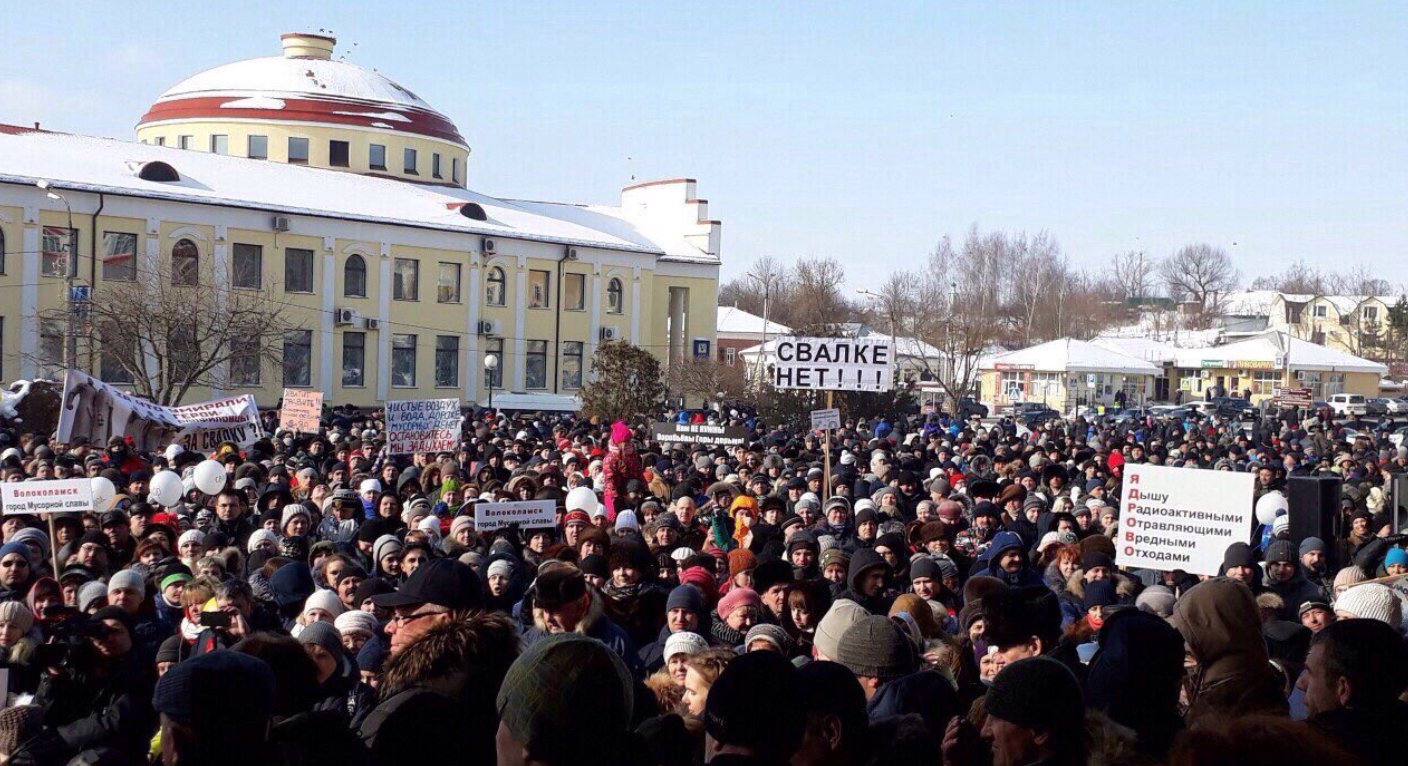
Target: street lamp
pixel 491 363
pixel 70 269
pixel 767 294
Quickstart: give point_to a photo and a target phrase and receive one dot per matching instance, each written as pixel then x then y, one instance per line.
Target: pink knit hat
pixel 736 598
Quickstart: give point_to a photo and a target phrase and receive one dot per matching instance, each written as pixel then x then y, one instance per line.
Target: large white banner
pixel 38 497
pixel 98 411
pixel 836 364
pixel 1182 518
pixel 423 425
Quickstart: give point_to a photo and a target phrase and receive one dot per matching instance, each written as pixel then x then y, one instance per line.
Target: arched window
pixel 354 277
pixel 614 300
pixel 185 263
pixel 494 290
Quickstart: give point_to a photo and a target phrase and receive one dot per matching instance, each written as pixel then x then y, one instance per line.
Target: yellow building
pixel 342 195
pixel 1269 361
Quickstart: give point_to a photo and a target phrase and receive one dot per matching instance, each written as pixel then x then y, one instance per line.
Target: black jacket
pixel 1375 737
pixel 112 709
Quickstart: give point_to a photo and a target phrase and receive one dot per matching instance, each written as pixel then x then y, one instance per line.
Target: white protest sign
pixel 822 419
pixel 1182 518
pixel 423 425
pixel 525 513
pixel 836 364
pixel 96 411
pixel 301 411
pixel 36 497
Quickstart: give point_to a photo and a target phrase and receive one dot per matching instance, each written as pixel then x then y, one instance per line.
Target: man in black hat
pixel 752 715
pixel 1035 715
pixel 439 591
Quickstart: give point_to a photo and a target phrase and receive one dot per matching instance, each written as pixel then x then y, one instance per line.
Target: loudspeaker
pixel 1314 501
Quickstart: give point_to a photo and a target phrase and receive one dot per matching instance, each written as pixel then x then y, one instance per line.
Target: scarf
pixel 190 630
pixel 620 593
pixel 726 635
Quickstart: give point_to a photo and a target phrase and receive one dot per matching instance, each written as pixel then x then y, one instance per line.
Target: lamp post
pixel 890 312
pixel 767 294
pixel 491 363
pixel 70 268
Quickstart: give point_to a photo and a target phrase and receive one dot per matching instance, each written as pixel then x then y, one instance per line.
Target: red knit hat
pixel 740 560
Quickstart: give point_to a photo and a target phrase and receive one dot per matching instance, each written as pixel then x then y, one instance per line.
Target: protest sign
pixel 823 419
pixel 423 425
pixel 699 433
pixel 1182 518
pixel 836 364
pixel 40 497
pixel 97 411
pixel 525 513
pixel 301 411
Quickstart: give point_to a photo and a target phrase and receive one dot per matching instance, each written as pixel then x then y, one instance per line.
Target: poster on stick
pixel 301 411
pixel 1182 518
pixel 97 411
pixel 833 364
pixel 703 434
pixel 423 425
pixel 40 497
pixel 528 514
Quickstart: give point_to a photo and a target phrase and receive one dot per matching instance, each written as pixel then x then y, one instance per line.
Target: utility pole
pixel 70 270
pixel 762 349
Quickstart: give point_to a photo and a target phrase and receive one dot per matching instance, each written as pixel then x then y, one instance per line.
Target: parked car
pixel 1232 407
pixel 1034 414
pixel 968 408
pixel 1349 405
pixel 1376 406
pixel 1397 406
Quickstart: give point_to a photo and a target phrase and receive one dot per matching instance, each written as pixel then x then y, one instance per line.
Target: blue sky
pixel 863 131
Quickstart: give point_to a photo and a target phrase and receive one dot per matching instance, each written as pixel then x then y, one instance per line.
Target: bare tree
pixel 1132 273
pixel 1299 278
pixel 165 338
pixel 817 300
pixel 768 281
pixel 1359 281
pixel 1198 273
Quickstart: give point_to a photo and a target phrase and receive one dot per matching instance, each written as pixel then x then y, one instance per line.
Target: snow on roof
pixel 1148 349
pixel 732 320
pixel 278 75
pixel 1303 355
pixel 86 163
pixel 1248 303
pixel 1071 355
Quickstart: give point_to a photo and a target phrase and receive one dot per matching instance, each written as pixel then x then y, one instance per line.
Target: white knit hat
pixel 356 621
pixel 191 536
pixel 325 600
pixel 1370 601
pixel 259 536
pixel 370 485
pixel 291 510
pixel 627 520
pixel 686 642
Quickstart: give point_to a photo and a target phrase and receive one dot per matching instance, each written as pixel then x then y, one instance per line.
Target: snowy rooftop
pixel 105 165
pixel 732 320
pixel 1070 355
pixel 281 76
pixel 1267 346
pixel 1148 349
pixel 1253 303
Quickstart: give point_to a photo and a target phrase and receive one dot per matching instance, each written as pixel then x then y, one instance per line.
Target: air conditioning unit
pixel 571 254
pixel 488 246
pixel 281 223
pixel 609 333
pixel 345 316
pixel 488 327
pixel 373 324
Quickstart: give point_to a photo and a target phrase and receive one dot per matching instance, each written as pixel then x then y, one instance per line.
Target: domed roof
pixel 305 84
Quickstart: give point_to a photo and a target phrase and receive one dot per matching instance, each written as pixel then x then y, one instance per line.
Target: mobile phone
pixel 215 619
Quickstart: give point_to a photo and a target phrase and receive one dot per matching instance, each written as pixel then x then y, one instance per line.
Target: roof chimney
pixel 307 45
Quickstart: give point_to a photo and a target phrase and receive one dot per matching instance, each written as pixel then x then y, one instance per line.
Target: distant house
pixel 736 329
pixel 1354 324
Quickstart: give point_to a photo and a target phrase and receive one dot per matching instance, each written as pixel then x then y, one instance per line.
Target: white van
pixel 1347 405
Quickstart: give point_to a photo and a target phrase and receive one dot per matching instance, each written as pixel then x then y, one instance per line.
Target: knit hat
pixel 191 536
pixel 1156 599
pixel 1038 693
pixel 291 510
pixel 919 609
pixel 754 704
pixel 215 690
pixel 1280 550
pixel 325 600
pixel 323 634
pixel 685 642
pixel 499 567
pixel 19 725
pixel 1350 575
pixel 1281 524
pixel 877 648
pixel 1100 593
pixel 258 537
pixel 90 593
pixel 685 597
pixel 356 621
pixel 18 614
pixel 170 649
pixel 1311 544
pixel 769 633
pixel 839 618
pixel 565 695
pixel 1396 556
pixel 627 520
pixel 383 547
pixel 461 522
pixel 736 598
pixel 1370 601
pixel 127 578
pixel 740 560
pixel 38 536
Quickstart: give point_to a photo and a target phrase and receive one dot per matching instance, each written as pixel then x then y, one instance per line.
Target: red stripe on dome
pixel 421 122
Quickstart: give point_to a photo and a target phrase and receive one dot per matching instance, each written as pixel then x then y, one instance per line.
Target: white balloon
pixel 210 477
pixel 103 493
pixel 1271 505
pixel 166 488
pixel 583 499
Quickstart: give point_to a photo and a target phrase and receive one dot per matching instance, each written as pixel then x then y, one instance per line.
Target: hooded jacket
pixel 988 564
pixel 1294 592
pixel 1221 626
pixel 862 561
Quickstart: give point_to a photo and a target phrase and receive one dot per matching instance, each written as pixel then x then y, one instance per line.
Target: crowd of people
pixel 944 593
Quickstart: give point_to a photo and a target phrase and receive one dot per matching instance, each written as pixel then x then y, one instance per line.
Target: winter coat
pixel 1374 736
pixel 1293 593
pixel 638 609
pixel 1221 625
pixel 113 710
pixel 861 561
pixel 1134 678
pixel 987 564
pixel 595 624
pixel 1073 595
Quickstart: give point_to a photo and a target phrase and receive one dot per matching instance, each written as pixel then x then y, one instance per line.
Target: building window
pixel 447 287
pixel 535 364
pixel 405 279
pixel 111 367
pixel 731 355
pixel 403 361
pixel 614 300
pixel 244 362
pixel 339 154
pixel 494 287
pixel 161 140
pixel 59 242
pixel 119 257
pixel 354 277
pixel 298 270
pixel 435 165
pixel 248 266
pixel 1371 313
pixel 298 357
pixel 377 157
pixel 219 144
pixel 1319 311
pixel 185 263
pixel 410 161
pixel 259 147
pixel 494 378
pixel 539 283
pixel 455 169
pixel 51 349
pixel 354 359
pixel 298 151
pixel 572 364
pixel 447 361
pixel 574 289
pixel 184 142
